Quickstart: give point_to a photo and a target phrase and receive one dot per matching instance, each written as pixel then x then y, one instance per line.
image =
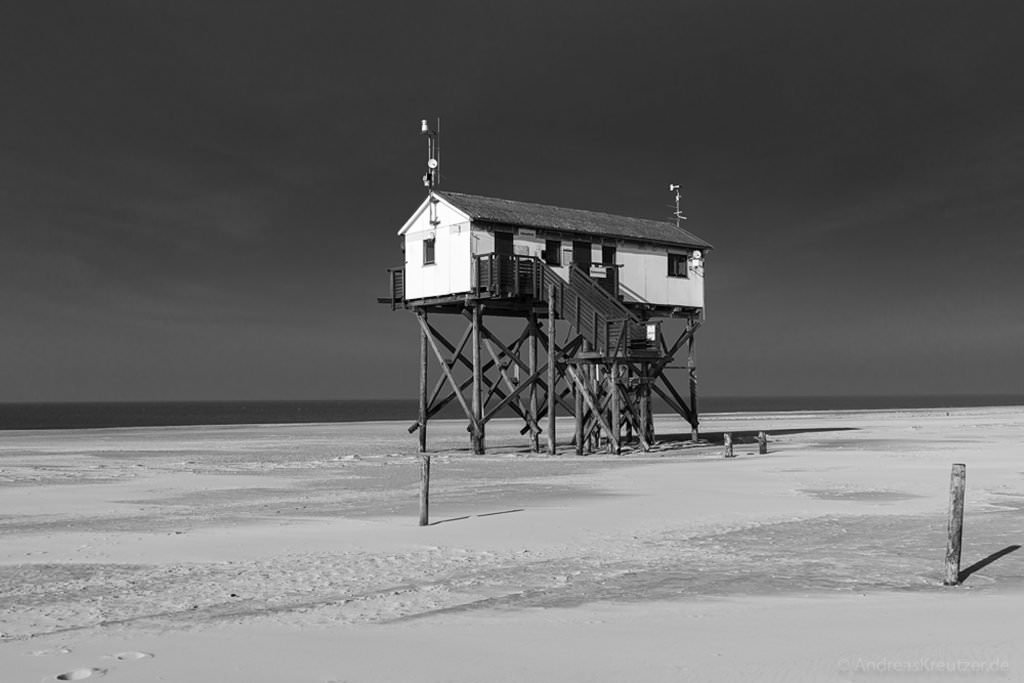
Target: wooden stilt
pixel 423 383
pixel 644 399
pixel 477 398
pixel 532 401
pixel 551 370
pixel 578 414
pixel 727 446
pixel 762 443
pixel 692 371
pixel 616 417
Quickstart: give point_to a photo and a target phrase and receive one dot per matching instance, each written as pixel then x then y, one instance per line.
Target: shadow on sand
pixel 980 564
pixel 482 514
pixel 748 436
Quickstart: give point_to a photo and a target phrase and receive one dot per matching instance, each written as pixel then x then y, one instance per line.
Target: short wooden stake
pixel 424 490
pixel 957 485
pixel 727 443
pixel 762 443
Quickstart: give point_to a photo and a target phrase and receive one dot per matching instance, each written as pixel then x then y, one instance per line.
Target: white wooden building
pixel 655 263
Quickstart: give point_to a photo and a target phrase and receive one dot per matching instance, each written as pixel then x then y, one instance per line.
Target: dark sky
pixel 198 200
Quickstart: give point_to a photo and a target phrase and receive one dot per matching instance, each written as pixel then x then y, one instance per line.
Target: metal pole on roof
pixel 673 187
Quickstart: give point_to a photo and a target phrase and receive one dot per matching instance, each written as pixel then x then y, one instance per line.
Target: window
pixel 581 254
pixel 679 265
pixel 553 252
pixel 428 251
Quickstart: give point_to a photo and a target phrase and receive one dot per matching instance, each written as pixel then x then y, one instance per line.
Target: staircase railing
pixel 601 319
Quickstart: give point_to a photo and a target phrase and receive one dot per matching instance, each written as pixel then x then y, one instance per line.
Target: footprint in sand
pixel 51 651
pixel 79 674
pixel 131 656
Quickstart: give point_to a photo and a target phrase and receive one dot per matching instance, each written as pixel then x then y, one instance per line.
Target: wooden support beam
pixel 677 404
pixel 470 415
pixel 513 395
pixel 514 390
pixel 423 385
pixel 634 422
pixel 692 372
pixel 478 408
pixel 433 407
pixel 552 361
pixel 644 401
pixel 458 357
pixel 581 385
pixel 616 416
pixel 669 400
pixel 456 352
pixel 532 399
pixel 670 352
pixel 577 414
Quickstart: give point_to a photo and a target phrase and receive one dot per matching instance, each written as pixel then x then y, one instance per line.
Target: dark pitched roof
pixel 527 215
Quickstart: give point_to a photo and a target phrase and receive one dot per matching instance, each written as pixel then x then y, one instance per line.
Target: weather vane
pixel 673 187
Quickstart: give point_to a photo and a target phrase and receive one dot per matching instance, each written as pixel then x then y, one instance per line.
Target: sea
pixel 19 416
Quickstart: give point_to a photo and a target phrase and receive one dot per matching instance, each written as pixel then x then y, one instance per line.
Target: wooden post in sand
pixel 957 484
pixel 762 443
pixel 424 490
pixel 478 384
pixel 727 446
pixel 551 369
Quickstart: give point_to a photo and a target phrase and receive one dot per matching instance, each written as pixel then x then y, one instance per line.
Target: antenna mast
pixel 673 187
pixel 432 178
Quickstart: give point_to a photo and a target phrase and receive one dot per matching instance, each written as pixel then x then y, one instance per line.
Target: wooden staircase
pixel 610 328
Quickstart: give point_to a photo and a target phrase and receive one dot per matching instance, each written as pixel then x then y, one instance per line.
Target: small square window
pixel 553 252
pixel 428 251
pixel 679 265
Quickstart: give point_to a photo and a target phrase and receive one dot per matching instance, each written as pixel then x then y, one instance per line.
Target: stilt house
pixel 611 281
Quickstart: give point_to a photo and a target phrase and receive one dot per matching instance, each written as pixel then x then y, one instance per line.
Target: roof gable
pixel 527 215
pixel 423 207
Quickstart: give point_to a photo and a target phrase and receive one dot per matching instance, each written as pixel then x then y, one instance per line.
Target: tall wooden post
pixel 478 384
pixel 649 423
pixel 762 443
pixel 727 446
pixel 551 369
pixel 643 391
pixel 616 417
pixel 630 395
pixel 532 362
pixel 424 489
pixel 955 530
pixel 578 409
pixel 423 382
pixel 692 367
pixel 595 390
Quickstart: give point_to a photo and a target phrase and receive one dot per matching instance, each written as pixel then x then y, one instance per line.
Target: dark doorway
pixel 503 244
pixel 581 255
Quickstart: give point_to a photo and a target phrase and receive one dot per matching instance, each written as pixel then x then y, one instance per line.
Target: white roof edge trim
pixel 423 207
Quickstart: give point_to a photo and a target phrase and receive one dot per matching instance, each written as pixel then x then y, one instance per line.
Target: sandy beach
pixel 291 553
